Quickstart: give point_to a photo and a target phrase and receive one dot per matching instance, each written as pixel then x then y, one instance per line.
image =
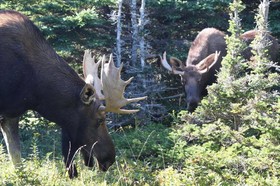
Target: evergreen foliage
pixel 70 26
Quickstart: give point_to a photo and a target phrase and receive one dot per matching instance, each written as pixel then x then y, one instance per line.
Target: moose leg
pixel 9 128
pixel 68 151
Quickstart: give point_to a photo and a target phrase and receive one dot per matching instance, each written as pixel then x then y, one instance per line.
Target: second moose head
pixel 204 60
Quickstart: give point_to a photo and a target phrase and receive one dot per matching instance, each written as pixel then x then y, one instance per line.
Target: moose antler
pixel 111 83
pixel 90 70
pixel 113 88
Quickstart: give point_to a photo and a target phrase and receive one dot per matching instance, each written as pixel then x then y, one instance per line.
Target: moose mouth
pixel 105 166
pixel 192 106
pixel 102 166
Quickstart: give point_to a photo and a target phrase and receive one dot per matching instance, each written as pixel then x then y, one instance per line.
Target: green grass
pixel 137 149
pixel 182 154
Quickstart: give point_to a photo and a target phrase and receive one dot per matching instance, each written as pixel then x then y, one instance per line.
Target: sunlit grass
pixel 47 168
pixel 149 155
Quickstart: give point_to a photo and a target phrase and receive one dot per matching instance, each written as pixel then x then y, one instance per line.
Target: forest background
pixel 162 144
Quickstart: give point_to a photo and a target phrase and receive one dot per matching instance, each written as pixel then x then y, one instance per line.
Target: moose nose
pixel 105 166
pixel 191 106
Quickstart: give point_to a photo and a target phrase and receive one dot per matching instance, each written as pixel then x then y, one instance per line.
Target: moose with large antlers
pixel 34 77
pixel 204 61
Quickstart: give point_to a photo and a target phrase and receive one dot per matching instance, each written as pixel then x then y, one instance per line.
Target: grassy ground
pixel 182 154
pixel 136 161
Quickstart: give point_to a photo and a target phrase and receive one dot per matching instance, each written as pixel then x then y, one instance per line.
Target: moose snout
pixel 105 166
pixel 192 103
pixel 192 106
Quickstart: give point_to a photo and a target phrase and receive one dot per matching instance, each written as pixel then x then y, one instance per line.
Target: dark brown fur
pixel 34 77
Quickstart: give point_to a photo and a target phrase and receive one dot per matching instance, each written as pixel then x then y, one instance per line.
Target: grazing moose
pixel 34 77
pixel 204 61
pixel 201 66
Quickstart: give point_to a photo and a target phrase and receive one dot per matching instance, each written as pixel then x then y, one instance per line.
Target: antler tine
pixel 103 60
pixel 128 81
pixel 111 61
pixel 164 62
pixel 125 111
pixel 90 70
pixel 114 86
pixel 113 66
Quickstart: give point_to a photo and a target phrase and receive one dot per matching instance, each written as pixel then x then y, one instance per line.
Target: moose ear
pixel 204 65
pixel 87 94
pixel 176 63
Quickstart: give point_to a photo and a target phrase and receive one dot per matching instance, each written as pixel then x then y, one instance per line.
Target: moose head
pixel 191 76
pixel 109 88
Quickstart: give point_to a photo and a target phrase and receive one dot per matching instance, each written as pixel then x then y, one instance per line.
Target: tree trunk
pixel 134 33
pixel 142 34
pixel 119 32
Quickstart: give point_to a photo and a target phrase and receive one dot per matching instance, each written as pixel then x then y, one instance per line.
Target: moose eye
pixel 100 121
pixel 198 78
pixel 183 81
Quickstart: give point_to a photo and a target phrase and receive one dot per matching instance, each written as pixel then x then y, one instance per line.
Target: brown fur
pixel 34 77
